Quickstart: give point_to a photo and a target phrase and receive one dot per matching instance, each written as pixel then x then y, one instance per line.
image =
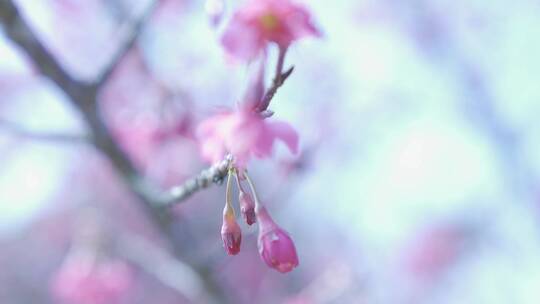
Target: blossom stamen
pixel 269 21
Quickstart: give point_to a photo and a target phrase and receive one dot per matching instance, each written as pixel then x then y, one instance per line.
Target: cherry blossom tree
pixel 268 151
pixel 227 140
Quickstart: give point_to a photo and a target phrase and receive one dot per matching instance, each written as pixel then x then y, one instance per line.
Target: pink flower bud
pixel 247 207
pixel 275 245
pixel 231 234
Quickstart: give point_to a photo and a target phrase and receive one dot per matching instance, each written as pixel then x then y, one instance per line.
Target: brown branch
pixel 84 98
pixel 20 33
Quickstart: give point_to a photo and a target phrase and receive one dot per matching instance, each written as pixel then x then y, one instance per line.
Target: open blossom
pixel 243 133
pixel 275 245
pixel 231 234
pixel 263 21
pixel 82 280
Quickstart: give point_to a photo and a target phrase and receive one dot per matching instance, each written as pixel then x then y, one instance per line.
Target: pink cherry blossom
pixel 275 245
pixel 231 234
pixel 83 281
pixel 263 21
pixel 244 134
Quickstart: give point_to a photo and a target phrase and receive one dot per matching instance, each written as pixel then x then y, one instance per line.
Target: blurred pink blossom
pixel 143 114
pixel 434 251
pixel 244 134
pixel 263 21
pixel 81 280
pixel 275 245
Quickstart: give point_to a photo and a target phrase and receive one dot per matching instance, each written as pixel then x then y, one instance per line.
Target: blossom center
pixel 269 21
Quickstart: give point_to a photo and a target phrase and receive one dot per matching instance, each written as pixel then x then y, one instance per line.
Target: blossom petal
pixel 259 22
pixel 242 41
pixel 286 133
pixel 209 133
pixel 212 149
pixel 265 142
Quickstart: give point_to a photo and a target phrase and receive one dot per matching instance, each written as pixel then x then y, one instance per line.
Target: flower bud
pixel 275 245
pixel 247 207
pixel 231 234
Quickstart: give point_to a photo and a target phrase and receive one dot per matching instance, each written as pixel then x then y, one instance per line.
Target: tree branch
pixel 277 82
pixel 18 31
pixel 84 98
pixel 133 27
pixel 213 175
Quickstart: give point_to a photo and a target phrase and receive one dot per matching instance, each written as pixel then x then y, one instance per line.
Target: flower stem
pixel 253 191
pixel 278 81
pixel 238 182
pixel 228 195
pixel 279 65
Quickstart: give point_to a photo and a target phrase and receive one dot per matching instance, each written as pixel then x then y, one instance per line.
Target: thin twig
pixel 19 32
pixel 133 27
pixel 207 177
pixel 278 81
pixel 280 62
pixel 276 84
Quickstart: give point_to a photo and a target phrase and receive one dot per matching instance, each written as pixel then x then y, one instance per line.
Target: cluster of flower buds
pixel 247 132
pixel 275 245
